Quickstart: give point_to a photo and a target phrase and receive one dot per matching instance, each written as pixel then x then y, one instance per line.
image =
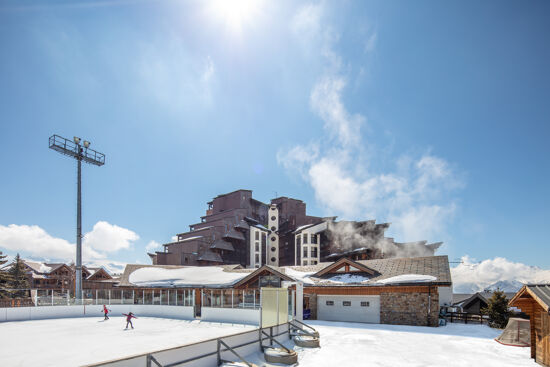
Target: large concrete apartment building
pixel 238 229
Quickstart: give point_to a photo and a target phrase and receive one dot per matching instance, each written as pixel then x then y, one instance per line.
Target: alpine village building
pixel 238 229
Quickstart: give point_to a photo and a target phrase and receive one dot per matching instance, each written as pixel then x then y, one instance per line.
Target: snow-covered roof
pixel 408 278
pixel 432 269
pixel 259 226
pixel 194 276
pixel 191 238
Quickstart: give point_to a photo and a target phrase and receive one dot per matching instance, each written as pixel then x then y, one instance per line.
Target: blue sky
pixel 431 115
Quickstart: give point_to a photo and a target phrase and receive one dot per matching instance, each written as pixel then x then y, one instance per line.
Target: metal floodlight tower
pixel 72 148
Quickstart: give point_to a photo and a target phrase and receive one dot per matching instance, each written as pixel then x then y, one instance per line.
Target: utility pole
pixel 72 148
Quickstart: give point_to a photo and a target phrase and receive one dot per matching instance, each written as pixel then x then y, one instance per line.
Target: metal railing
pixel 466 318
pixel 222 346
pixel 62 297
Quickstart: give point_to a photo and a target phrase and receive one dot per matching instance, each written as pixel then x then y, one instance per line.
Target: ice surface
pixel 408 278
pixel 205 275
pixel 86 340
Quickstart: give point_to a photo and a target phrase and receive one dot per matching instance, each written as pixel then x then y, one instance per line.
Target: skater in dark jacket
pixel 105 311
pixel 129 318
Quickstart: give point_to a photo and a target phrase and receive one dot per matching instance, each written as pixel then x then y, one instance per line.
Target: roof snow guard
pixel 222 245
pixel 235 235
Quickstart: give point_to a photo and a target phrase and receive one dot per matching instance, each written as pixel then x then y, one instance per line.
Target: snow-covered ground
pixel 73 342
pixel 86 340
pixel 351 344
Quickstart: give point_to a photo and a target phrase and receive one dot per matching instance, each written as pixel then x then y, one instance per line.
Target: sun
pixel 236 13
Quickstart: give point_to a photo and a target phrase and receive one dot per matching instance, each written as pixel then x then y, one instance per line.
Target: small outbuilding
pixel 534 300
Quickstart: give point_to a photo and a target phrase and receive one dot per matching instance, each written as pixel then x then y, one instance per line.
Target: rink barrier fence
pixel 56 312
pixel 207 353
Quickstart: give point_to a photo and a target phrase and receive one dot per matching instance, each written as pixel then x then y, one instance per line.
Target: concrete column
pixel 299 301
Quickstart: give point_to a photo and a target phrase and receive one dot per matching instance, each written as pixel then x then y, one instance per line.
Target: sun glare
pixel 236 13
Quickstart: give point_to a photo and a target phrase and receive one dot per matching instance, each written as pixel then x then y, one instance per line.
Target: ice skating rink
pixel 80 341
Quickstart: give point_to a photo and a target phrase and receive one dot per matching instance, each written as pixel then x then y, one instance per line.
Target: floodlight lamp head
pixel 76 140
pixel 86 143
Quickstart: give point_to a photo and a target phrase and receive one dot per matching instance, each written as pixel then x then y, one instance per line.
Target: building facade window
pixel 346 303
pixel 257 247
pixel 314 239
pixel 305 238
pixel 257 235
pixel 257 258
pixel 305 252
pixel 298 240
pixel 314 251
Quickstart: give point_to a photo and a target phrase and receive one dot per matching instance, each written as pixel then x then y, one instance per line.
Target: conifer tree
pixel 4 276
pixel 497 310
pixel 18 278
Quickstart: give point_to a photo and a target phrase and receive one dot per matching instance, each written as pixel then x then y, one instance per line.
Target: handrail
pixel 232 351
pixel 151 359
pixel 301 328
pixel 274 340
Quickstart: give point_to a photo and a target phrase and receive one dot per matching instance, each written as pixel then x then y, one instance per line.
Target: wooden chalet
pixel 534 300
pixel 61 277
pixel 405 291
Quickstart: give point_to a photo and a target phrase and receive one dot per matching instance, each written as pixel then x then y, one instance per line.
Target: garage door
pixel 349 308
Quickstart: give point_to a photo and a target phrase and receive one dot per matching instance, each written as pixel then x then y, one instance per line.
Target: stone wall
pixel 409 309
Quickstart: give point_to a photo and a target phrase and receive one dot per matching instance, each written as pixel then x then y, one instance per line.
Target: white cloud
pixel 306 23
pixel 413 194
pixel 152 246
pixel 326 101
pixel 472 276
pixel 370 44
pixel 33 241
pixel 107 237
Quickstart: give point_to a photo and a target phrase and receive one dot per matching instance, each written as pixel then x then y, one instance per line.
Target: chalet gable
pixel 253 278
pixel 100 274
pixel 61 270
pixel 345 265
pixel 540 293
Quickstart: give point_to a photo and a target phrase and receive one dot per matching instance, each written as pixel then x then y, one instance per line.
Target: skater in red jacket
pixel 129 318
pixel 106 311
